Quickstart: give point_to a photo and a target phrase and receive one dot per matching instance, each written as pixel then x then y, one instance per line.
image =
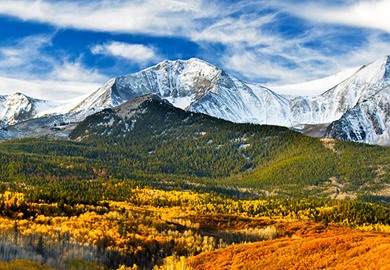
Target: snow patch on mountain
pixel 368 121
pixel 18 107
pixel 315 87
pixel 197 86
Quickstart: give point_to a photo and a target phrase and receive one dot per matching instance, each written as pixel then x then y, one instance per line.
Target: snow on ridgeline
pixel 197 86
pixel 17 107
pixel 315 87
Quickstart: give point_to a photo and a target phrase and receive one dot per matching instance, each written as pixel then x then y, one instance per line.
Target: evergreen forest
pixel 155 187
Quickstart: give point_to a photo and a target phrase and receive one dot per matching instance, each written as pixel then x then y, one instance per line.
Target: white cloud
pixel 252 51
pixel 249 44
pixel 368 14
pixel 46 89
pixel 244 29
pixel 258 65
pixel 374 49
pixel 21 56
pixel 257 68
pixel 75 72
pixel 259 54
pixel 137 53
pixel 26 67
pixel 166 17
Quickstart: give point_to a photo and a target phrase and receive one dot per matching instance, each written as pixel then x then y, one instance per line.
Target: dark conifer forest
pixel 156 186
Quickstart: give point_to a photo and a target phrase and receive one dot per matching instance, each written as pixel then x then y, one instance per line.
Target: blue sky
pixel 61 49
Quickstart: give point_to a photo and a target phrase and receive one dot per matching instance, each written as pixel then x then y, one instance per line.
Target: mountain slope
pixel 148 139
pixel 196 86
pixel 18 107
pixel 170 140
pixel 310 247
pixel 368 121
pixel 166 140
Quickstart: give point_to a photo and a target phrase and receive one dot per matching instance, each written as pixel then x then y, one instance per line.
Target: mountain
pixel 149 136
pixel 331 105
pixel 314 112
pixel 121 119
pixel 368 121
pixel 24 116
pixel 338 106
pixel 197 86
pixel 17 107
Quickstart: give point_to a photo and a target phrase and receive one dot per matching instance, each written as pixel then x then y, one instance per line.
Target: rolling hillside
pixel 149 140
pixel 310 246
pixel 149 185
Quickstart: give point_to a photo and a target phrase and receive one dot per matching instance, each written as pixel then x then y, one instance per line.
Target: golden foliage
pixel 310 247
pixel 22 265
pixel 168 226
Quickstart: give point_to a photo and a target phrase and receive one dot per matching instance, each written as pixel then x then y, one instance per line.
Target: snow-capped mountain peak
pixel 18 107
pixel 180 82
pixel 197 86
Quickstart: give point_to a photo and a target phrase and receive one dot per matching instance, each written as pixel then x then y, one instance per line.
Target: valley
pixel 169 168
pixel 146 185
pixel 194 135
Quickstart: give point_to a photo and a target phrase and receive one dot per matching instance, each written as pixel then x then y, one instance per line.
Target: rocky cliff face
pixel 368 121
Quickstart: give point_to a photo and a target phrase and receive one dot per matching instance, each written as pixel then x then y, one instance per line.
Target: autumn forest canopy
pixel 171 189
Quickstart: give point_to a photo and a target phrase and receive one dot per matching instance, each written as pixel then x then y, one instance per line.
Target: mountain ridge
pixel 18 107
pixel 197 86
pixel 169 140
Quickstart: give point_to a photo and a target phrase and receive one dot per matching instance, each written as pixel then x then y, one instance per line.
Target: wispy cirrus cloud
pixel 23 56
pixel 30 55
pixel 278 41
pixel 75 72
pixel 367 14
pixel 27 66
pixel 47 89
pixel 137 53
pixel 257 68
pixel 165 17
pixel 242 29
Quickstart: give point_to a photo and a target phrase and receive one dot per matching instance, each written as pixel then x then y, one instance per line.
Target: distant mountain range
pixel 352 105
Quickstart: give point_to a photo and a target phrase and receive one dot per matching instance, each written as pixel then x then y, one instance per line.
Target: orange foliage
pixel 310 246
pixel 157 227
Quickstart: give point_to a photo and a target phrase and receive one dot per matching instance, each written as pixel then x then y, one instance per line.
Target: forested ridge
pixel 153 186
pixel 159 145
